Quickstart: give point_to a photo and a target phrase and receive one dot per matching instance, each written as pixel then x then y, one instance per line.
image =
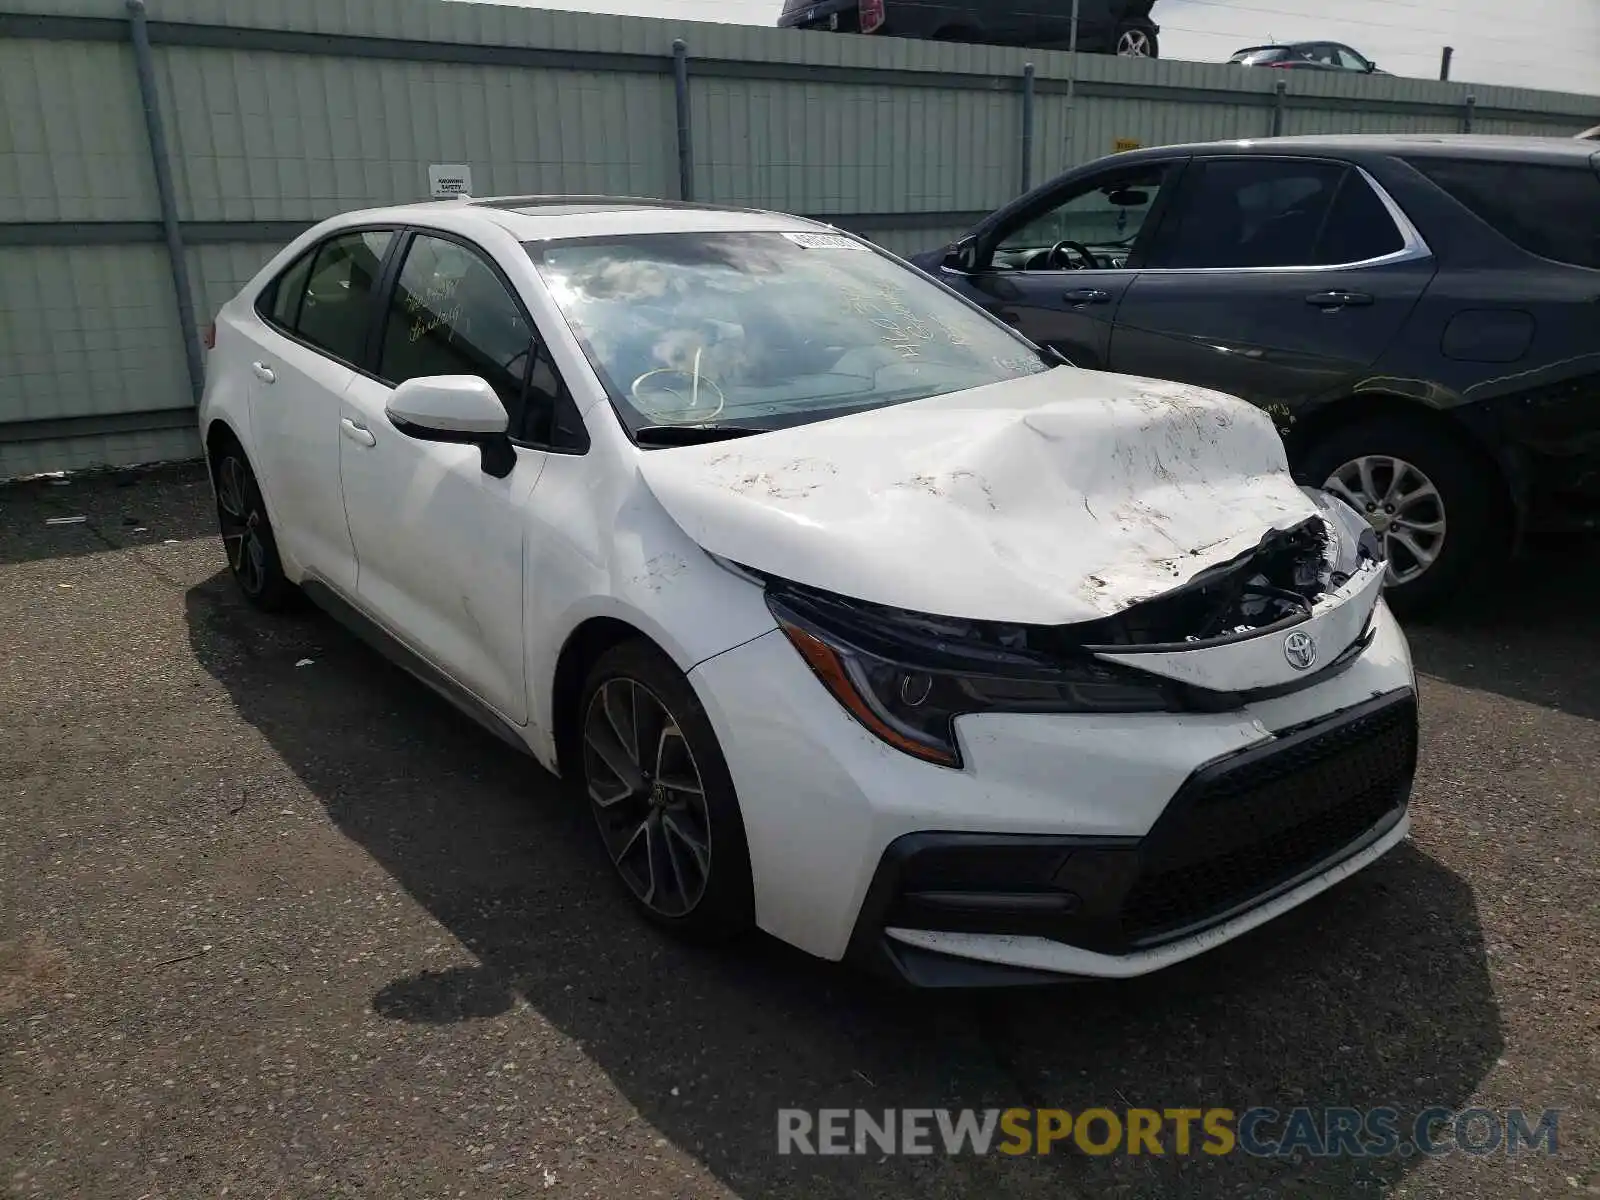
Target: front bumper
pixel 1271 823
pixel 1097 807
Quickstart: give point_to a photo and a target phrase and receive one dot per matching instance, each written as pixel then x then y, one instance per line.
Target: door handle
pixel 357 432
pixel 1009 315
pixel 1086 296
pixel 1338 299
pixel 263 372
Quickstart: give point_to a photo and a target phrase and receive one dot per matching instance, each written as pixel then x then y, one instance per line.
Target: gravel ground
pixel 279 930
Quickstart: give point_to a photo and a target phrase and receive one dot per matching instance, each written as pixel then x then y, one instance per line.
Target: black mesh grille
pixel 1250 822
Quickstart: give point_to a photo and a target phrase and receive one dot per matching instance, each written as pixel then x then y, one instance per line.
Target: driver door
pixel 1058 270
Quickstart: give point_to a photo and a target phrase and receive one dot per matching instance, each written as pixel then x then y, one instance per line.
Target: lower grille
pixel 1252 821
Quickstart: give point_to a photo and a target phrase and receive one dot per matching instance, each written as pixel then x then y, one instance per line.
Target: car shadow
pixel 1527 636
pixel 1376 995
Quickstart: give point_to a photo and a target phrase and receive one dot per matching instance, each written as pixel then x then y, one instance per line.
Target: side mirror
pixel 962 256
pixel 455 408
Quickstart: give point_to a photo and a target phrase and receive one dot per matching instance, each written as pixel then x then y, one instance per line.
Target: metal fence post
pixel 680 85
pixel 1027 127
pixel 1280 92
pixel 1466 116
pixel 144 65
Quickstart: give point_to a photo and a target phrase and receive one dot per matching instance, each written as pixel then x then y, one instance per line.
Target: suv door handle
pixel 263 372
pixel 1086 296
pixel 356 432
pixel 1338 299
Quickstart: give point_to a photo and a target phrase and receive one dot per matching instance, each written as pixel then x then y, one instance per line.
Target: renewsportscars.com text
pixel 1260 1132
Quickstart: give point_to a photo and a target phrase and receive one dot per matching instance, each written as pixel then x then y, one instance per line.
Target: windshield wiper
pixel 692 435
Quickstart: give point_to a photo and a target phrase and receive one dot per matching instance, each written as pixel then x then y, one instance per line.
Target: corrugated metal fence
pixel 276 114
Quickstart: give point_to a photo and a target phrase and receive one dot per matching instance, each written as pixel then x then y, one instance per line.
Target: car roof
pixel 1449 145
pixel 552 217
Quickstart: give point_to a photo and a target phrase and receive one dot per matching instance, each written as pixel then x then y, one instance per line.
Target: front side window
pixel 1272 212
pixel 1549 210
pixel 767 329
pixel 451 315
pixel 335 310
pixel 1105 218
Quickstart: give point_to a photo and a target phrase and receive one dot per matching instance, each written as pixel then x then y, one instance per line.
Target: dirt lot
pixel 279 930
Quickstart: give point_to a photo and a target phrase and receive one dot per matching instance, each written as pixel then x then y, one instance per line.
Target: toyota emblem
pixel 1300 650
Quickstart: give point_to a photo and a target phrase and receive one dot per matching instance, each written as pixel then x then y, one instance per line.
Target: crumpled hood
pixel 1052 499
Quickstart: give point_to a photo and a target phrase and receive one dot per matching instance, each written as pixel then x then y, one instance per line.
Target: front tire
pixel 662 796
pixel 1438 512
pixel 247 535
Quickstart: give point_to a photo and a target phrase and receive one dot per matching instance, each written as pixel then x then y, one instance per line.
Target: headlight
pixel 907 678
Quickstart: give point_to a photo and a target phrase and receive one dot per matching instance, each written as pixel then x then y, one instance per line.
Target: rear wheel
pixel 246 532
pixel 1137 41
pixel 662 797
pixel 1441 520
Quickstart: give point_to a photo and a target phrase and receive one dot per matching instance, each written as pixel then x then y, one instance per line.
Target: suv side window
pixel 1549 210
pixel 1350 60
pixel 334 312
pixel 1274 212
pixel 1106 215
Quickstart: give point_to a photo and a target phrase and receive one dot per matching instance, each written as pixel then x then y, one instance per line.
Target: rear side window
pixel 1271 212
pixel 288 290
pixel 1551 211
pixel 325 297
pixel 1359 227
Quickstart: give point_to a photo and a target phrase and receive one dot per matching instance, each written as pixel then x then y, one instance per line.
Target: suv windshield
pixel 762 330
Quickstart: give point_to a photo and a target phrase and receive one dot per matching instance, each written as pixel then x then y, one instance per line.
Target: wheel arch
pixel 582 648
pixel 1320 423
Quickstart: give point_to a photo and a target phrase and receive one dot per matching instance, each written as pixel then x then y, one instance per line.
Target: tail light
pixel 211 336
pixel 871 15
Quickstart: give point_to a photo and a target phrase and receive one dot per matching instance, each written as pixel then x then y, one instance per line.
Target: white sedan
pixel 858 618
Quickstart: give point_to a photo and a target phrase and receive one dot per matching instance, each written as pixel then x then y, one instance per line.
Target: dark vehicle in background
pixel 1307 56
pixel 1120 27
pixel 1421 315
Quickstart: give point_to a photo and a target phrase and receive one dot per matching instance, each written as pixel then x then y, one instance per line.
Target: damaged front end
pixel 907 676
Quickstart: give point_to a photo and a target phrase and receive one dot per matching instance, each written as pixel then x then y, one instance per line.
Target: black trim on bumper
pixel 1242 830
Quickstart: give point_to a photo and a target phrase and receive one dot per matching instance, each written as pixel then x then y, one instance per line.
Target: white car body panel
pixel 1057 498
pixel 834 796
pixel 299 463
pixel 1045 500
pixel 440 545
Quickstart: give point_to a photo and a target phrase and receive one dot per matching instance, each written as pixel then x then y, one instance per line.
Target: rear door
pixel 1058 269
pixel 315 323
pixel 1280 280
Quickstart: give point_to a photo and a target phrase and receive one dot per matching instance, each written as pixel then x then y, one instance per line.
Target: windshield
pixel 762 330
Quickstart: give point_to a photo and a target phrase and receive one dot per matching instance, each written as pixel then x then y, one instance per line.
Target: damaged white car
pixel 853 615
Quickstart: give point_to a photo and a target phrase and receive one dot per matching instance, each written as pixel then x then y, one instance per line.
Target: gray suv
pixel 1119 27
pixel 1420 314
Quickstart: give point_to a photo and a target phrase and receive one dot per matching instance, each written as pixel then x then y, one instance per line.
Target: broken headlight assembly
pixel 907 677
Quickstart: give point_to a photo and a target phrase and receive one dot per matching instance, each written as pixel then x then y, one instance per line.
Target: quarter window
pixel 1551 211
pixel 1275 213
pixel 451 315
pixel 335 310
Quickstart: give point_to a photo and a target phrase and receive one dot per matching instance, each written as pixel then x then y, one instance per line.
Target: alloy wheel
pixel 1403 507
pixel 240 518
pixel 1134 43
pixel 648 797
